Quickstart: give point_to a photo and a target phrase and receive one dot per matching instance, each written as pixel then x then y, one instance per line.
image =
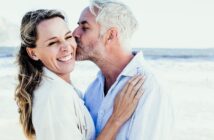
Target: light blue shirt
pixel 152 119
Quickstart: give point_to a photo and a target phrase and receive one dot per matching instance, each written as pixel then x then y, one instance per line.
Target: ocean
pixel 149 53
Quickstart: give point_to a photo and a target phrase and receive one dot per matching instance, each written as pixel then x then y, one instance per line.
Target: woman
pixel 49 106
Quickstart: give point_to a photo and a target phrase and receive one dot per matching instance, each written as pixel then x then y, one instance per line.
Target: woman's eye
pixel 68 37
pixel 51 43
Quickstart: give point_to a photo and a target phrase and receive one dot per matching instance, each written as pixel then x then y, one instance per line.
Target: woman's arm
pixel 125 104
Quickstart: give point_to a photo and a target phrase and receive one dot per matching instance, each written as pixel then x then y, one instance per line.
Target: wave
pixel 8 51
pixel 149 53
pixel 177 53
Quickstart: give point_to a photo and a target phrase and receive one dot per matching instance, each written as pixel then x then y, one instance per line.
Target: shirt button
pixel 102 113
pixel 100 116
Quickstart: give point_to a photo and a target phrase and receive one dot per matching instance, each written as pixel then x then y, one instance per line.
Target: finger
pixel 120 95
pixel 132 84
pixel 123 96
pixel 123 91
pixel 138 96
pixel 137 87
pixel 127 85
pixel 135 79
pixel 132 90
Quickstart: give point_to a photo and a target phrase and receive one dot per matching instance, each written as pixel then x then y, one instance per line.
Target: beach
pixel 189 82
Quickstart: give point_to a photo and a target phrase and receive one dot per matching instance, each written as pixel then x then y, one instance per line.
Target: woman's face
pixel 56 47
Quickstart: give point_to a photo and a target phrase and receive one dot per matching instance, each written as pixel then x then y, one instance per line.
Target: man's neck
pixel 111 67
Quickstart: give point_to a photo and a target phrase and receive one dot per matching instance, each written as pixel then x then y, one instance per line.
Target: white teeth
pixel 65 58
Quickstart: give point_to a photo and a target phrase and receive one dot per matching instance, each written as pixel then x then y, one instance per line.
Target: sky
pixel 162 23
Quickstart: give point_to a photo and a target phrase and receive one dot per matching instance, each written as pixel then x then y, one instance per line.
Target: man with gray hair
pixel 102 37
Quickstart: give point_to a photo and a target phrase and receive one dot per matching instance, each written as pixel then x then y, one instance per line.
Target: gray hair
pixel 114 14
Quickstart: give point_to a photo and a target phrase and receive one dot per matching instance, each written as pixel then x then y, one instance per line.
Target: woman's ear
pixel 31 53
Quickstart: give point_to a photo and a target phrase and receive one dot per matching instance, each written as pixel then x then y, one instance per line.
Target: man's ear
pixel 111 35
pixel 31 53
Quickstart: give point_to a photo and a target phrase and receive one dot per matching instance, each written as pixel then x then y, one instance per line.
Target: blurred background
pixel 176 37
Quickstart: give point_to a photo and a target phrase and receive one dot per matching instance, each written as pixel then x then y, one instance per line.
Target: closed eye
pixel 68 37
pixel 52 43
pixel 85 28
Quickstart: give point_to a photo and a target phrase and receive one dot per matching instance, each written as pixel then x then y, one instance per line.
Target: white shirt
pixel 58 112
pixel 152 119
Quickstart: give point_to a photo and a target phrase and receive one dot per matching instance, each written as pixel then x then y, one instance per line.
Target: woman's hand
pixel 125 104
pixel 126 101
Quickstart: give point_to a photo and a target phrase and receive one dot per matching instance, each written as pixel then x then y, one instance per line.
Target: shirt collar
pixel 134 66
pixel 49 74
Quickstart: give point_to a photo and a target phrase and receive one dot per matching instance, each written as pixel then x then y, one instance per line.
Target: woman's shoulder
pixel 56 91
pixel 47 86
pixel 50 99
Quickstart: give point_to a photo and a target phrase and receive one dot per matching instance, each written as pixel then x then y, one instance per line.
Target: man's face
pixel 87 36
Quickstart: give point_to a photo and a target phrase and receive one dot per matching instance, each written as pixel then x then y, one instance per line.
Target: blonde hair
pixel 30 71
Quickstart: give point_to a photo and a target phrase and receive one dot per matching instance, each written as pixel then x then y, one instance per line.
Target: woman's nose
pixel 64 45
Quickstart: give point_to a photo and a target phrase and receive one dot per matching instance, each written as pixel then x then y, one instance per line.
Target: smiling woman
pixel 41 46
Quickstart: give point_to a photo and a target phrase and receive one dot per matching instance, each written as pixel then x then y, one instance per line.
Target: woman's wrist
pixel 111 129
pixel 115 122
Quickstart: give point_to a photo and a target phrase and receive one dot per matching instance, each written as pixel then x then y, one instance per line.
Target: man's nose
pixel 75 33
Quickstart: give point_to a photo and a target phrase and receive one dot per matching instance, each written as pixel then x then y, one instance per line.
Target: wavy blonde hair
pixel 30 71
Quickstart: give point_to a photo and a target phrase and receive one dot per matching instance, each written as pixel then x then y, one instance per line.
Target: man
pixel 102 37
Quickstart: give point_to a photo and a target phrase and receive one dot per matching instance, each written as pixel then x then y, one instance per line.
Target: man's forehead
pixel 86 17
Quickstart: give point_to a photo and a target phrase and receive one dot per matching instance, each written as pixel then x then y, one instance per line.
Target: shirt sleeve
pixel 153 119
pixel 54 119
